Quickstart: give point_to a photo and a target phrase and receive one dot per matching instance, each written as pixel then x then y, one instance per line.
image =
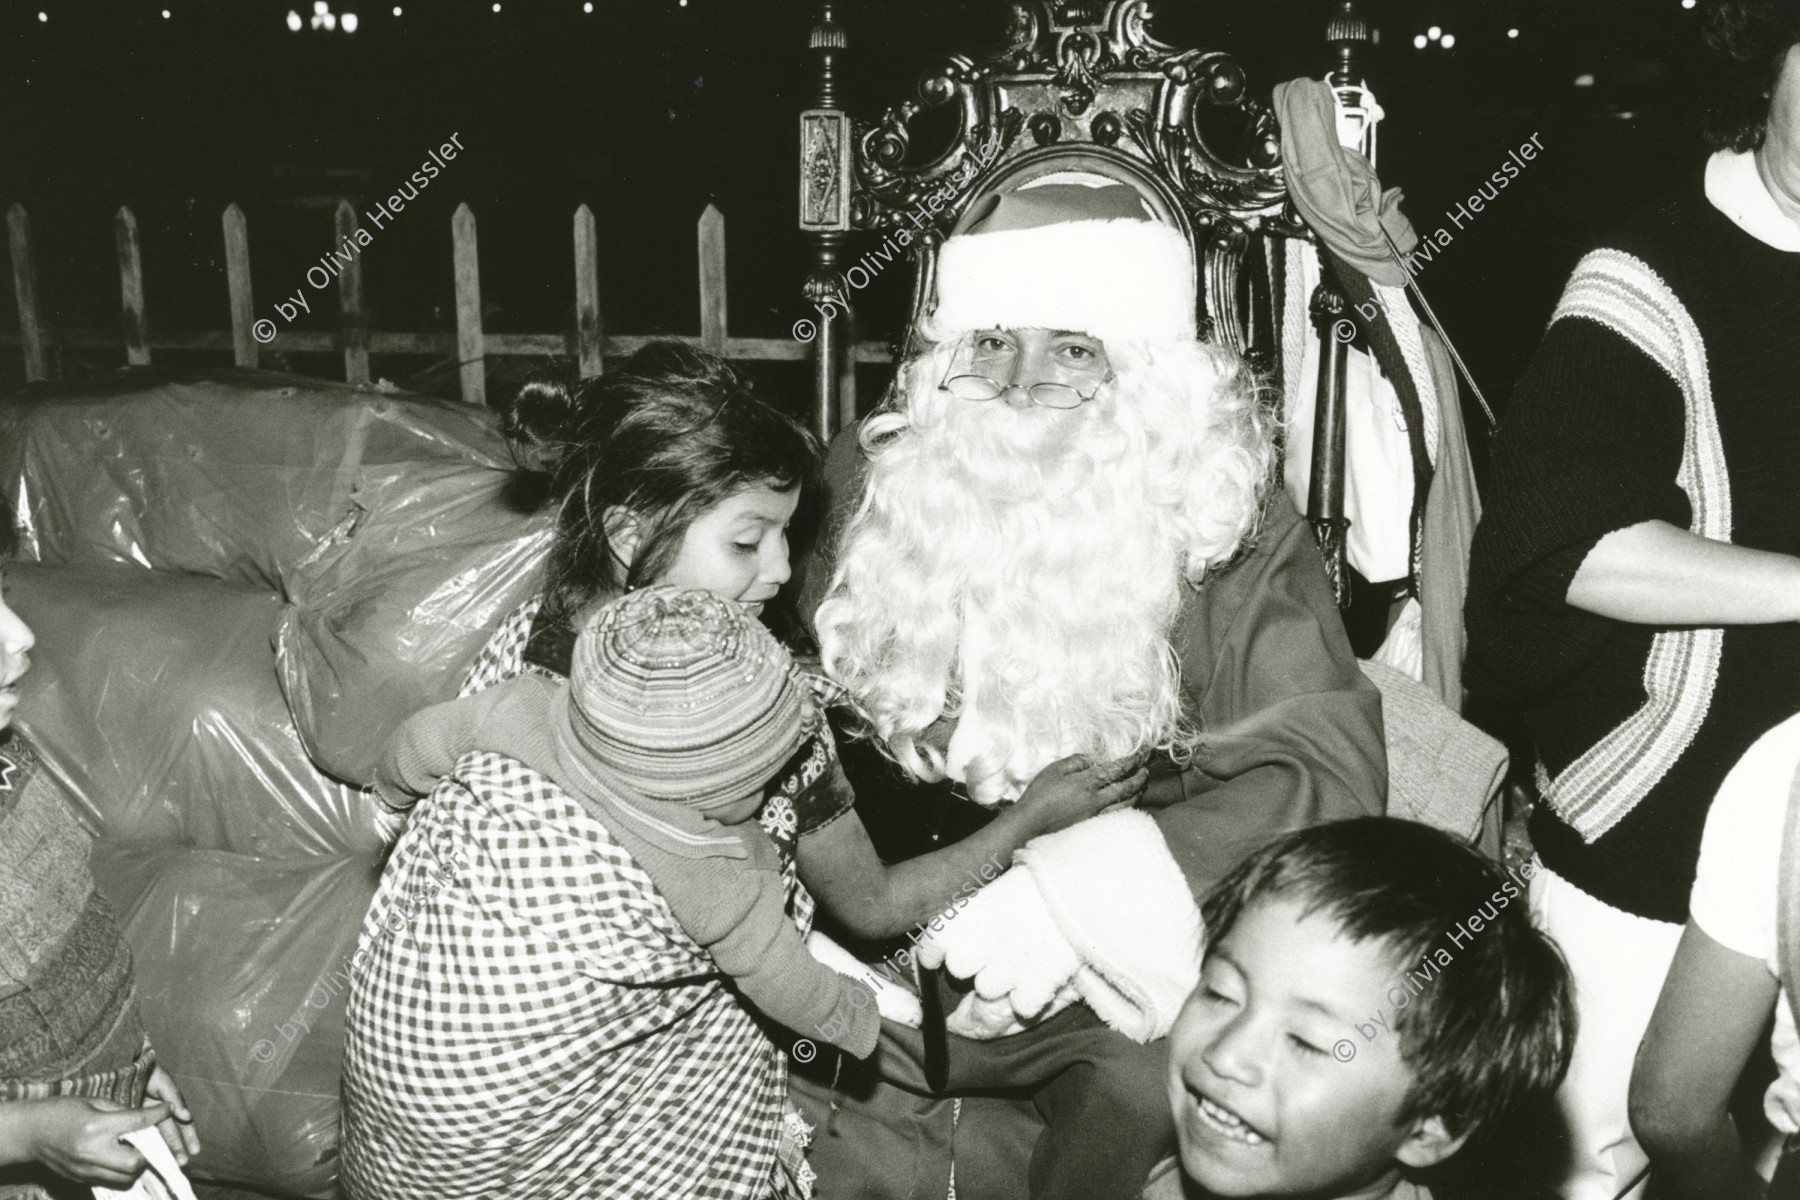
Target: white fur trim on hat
pixel 1115 279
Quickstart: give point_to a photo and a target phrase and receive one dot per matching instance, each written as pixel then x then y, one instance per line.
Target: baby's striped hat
pixel 686 696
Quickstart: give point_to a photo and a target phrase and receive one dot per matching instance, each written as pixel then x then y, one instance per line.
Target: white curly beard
pixel 1018 570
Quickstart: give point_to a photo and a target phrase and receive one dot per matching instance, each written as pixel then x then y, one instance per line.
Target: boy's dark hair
pixel 1752 37
pixel 1492 1028
pixel 666 434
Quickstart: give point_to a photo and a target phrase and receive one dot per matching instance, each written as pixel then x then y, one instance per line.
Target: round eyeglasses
pixel 1045 395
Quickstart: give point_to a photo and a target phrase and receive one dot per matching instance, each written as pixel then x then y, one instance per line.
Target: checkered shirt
pixel 531 1021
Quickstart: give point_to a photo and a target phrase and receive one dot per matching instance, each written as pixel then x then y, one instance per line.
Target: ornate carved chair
pixel 1080 85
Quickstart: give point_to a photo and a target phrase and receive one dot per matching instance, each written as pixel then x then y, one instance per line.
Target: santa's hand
pixel 1006 942
pixel 983 1020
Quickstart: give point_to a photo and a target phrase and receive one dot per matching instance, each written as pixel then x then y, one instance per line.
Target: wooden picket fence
pixel 588 344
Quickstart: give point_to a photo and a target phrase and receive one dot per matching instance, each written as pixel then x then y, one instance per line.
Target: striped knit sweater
pixel 1667 387
pixel 69 1020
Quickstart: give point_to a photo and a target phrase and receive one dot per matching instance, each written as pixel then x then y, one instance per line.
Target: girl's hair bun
pixel 539 421
pixel 543 412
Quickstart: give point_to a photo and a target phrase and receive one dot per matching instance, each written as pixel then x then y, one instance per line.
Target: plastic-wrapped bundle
pixel 220 472
pixel 243 967
pixel 153 702
pixel 391 610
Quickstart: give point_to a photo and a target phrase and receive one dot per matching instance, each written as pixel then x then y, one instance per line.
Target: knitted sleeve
pixel 1591 443
pixel 738 913
pixel 428 743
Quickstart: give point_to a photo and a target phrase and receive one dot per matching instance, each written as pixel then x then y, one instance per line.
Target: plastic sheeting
pixel 391 610
pixel 154 704
pixel 243 967
pixel 220 472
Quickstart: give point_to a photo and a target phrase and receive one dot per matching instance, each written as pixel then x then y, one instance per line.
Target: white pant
pixel 1618 961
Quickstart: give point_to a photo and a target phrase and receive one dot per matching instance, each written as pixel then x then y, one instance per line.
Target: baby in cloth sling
pixel 678 710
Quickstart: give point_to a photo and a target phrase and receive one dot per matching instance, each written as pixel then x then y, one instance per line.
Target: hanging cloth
pixel 1410 481
pixel 1334 188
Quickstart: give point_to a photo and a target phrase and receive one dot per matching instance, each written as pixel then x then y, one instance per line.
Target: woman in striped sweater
pixel 1636 579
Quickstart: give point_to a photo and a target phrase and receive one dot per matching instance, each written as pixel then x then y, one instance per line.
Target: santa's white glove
pixel 892 1000
pixel 1006 942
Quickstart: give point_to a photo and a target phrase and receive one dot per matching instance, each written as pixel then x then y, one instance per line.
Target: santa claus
pixel 1058 535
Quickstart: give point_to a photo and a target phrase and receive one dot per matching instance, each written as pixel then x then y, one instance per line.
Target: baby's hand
pixel 1072 789
pixel 389 825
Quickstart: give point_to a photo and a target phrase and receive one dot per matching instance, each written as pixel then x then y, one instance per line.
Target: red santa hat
pixel 1072 250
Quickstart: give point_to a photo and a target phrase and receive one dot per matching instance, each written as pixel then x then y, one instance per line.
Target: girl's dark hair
pixel 1753 38
pixel 1487 1026
pixel 666 435
pixel 9 531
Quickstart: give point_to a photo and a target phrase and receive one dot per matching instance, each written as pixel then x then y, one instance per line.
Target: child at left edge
pixel 1274 1095
pixel 77 1070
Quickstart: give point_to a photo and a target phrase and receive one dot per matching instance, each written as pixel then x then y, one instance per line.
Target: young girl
pixel 76 1068
pixel 667 470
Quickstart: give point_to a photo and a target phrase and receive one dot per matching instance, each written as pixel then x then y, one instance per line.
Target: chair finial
pixel 1348 33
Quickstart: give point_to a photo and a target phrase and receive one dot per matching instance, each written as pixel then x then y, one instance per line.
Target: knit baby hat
pixel 685 696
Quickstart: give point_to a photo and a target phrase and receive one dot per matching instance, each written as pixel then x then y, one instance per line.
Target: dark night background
pixel 648 110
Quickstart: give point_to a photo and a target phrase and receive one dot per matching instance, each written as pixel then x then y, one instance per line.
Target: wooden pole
pixel 826 150
pixel 237 278
pixel 24 268
pixel 354 326
pixel 131 289
pixel 470 347
pixel 1325 494
pixel 1346 33
pixel 588 336
pixel 712 280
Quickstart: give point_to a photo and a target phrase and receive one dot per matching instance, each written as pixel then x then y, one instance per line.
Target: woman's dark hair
pixel 666 436
pixel 1753 38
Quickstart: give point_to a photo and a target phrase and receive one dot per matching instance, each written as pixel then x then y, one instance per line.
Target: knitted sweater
pixel 1665 389
pixel 723 883
pixel 69 1018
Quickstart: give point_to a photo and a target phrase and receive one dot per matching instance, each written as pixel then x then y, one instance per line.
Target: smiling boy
pixel 1272 1094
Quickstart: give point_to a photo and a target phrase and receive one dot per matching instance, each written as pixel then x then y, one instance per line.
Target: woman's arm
pixel 874 900
pixel 1655 574
pixel 1714 1007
